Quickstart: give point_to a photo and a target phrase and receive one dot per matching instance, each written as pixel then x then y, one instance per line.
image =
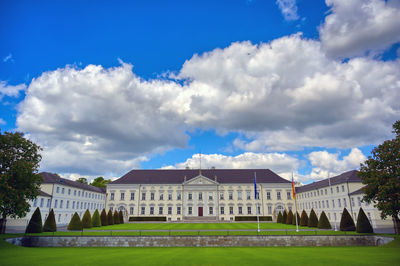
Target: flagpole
pixel 255 197
pixel 330 187
pixel 295 204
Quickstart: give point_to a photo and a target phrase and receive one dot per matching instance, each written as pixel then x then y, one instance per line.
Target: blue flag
pixel 255 186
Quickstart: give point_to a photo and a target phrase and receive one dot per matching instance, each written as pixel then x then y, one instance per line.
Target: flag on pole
pixel 293 191
pixel 255 186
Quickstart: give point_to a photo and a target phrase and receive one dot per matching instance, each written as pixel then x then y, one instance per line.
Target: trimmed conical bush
pixel 35 223
pixel 289 217
pixel 121 217
pixel 87 219
pixel 116 217
pixel 313 219
pixel 96 222
pixel 304 218
pixel 363 224
pixel 294 219
pixel 103 218
pixel 50 223
pixel 323 222
pixel 110 218
pixel 75 224
pixel 284 216
pixel 346 222
pixel 279 219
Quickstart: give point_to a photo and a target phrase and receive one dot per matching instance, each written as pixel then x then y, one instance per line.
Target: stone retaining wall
pixel 196 241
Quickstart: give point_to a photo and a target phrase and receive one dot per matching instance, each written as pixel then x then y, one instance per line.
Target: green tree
pixel 363 224
pixel 96 222
pixel 35 223
pixel 284 216
pixel 289 217
pixel 121 217
pixel 75 224
pixel 87 219
pixel 82 180
pixel 19 180
pixel 346 222
pixel 100 182
pixel 304 218
pixel 313 219
pixel 103 218
pixel 116 217
pixel 323 222
pixel 50 223
pixel 294 219
pixel 110 218
pixel 279 219
pixel 381 173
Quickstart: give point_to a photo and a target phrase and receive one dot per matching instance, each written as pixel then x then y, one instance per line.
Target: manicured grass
pixel 385 255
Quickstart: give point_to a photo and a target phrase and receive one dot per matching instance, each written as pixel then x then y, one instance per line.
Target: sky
pixel 104 87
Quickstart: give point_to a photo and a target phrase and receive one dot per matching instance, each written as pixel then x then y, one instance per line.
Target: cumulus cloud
pixel 288 9
pixel 9 90
pixel 2 122
pixel 357 26
pixel 280 163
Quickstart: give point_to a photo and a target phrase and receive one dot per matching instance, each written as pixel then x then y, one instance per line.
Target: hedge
pixel 103 218
pixel 110 218
pixel 96 222
pixel 147 218
pixel 116 217
pixel 279 219
pixel 289 217
pixel 253 218
pixel 87 219
pixel 346 222
pixel 323 222
pixel 121 217
pixel 35 223
pixel 75 223
pixel 284 216
pixel 304 219
pixel 363 224
pixel 50 223
pixel 313 219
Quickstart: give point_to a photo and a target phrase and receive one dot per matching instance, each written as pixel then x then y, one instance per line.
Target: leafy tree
pixel 87 219
pixel 289 217
pixel 110 218
pixel 323 222
pixel 363 224
pixel 121 217
pixel 75 223
pixel 313 219
pixel 19 180
pixel 346 222
pixel 116 217
pixel 304 218
pixel 82 180
pixel 35 223
pixel 96 222
pixel 100 182
pixel 50 223
pixel 279 219
pixel 103 218
pixel 381 173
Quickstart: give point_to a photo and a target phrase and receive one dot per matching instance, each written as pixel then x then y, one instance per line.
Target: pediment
pixel 200 180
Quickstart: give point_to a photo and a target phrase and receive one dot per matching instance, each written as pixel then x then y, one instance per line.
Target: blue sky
pixel 295 86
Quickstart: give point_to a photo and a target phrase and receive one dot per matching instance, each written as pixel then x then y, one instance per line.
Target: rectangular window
pixel 170 210
pixel 337 189
pixel 73 205
pixel 240 210
pixel 248 195
pixel 61 203
pixel 178 210
pixel 85 205
pixel 210 210
pixel 248 210
pixel 200 196
pixel 143 211
pixel 239 195
pixel 323 204
pixel 258 210
pixel 359 201
pixel 344 203
pixel 169 196
pixel 58 189
pixel 222 210
pixel 230 195
pixel 190 210
pixel 352 202
pixel 333 203
pixel 221 196
pixel 342 188
pixel 67 204
pixel 48 203
pixel 131 210
pixel 41 202
pixel 179 197
pixel 289 195
pixel 62 190
pixel 269 209
pixel 327 203
pixel 319 204
pixel 230 210
pixel 132 196
pixel 210 196
pixel 151 210
pixel 112 196
pixel 74 192
pixel 339 203
pixel 326 192
pixel 79 193
pixel 152 196
pixel 268 195
pixel 144 196
pixel 122 196
pixel 81 205
pixel 331 190
pixel 278 195
pixel 161 196
pixel 190 196
pixel 160 210
pixel 35 202
pixel 59 218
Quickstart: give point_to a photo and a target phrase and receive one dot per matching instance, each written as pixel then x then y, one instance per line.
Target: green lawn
pixel 385 255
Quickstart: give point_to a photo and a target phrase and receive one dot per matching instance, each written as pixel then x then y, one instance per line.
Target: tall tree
pixel 19 180
pixel 381 173
pixel 100 182
pixel 82 180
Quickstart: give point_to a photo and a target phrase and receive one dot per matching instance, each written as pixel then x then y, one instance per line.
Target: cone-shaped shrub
pixel 35 223
pixel 323 222
pixel 284 216
pixel 110 218
pixel 304 218
pixel 289 217
pixel 279 219
pixel 121 217
pixel 87 219
pixel 96 222
pixel 116 217
pixel 50 223
pixel 294 219
pixel 346 222
pixel 75 223
pixel 363 224
pixel 103 218
pixel 313 219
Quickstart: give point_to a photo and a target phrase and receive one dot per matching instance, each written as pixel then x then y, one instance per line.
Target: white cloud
pixel 9 90
pixel 357 26
pixel 288 9
pixel 325 163
pixel 2 122
pixel 8 58
pixel 280 163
